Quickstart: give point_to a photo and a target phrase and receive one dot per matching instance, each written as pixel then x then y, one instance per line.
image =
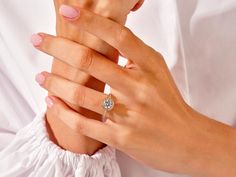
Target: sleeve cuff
pixel 33 152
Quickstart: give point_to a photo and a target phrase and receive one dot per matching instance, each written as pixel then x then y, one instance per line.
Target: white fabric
pixel 197 38
pixel 32 154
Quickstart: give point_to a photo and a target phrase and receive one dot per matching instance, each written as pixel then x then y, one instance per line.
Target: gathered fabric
pixel 34 155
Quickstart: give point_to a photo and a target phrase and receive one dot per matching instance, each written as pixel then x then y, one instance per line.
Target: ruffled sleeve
pixel 32 154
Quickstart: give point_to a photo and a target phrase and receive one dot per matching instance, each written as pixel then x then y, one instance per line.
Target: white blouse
pixel 197 38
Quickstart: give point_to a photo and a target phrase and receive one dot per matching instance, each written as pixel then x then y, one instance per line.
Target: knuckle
pixel 76 123
pixel 78 127
pixel 79 95
pixel 142 93
pixel 86 59
pixel 105 7
pixel 106 4
pixel 76 75
pixel 122 139
pixel 123 35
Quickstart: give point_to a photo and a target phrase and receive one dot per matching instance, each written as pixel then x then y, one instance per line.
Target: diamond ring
pixel 107 104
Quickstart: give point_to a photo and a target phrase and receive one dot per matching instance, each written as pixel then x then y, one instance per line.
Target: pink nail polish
pixel 36 40
pixel 69 12
pixel 49 101
pixel 40 78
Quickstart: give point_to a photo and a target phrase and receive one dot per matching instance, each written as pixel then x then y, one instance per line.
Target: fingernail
pixel 36 40
pixel 49 101
pixel 69 12
pixel 40 78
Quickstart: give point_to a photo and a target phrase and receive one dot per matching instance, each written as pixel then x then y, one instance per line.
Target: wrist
pixel 215 149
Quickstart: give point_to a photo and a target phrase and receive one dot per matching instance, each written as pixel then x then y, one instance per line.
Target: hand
pixel 118 11
pixel 115 10
pixel 150 120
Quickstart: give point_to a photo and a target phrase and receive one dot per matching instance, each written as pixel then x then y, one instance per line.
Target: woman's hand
pixel 150 120
pixel 115 10
pixel 112 9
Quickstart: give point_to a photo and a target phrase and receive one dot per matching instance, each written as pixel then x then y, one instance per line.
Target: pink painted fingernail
pixel 49 101
pixel 36 40
pixel 40 78
pixel 69 12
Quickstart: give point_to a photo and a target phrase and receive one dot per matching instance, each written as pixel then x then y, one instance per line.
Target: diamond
pixel 108 103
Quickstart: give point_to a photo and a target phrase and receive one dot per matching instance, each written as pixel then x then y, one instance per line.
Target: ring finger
pixel 71 92
pixel 79 95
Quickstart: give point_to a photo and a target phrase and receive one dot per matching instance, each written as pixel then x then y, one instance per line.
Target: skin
pixel 150 121
pixel 59 132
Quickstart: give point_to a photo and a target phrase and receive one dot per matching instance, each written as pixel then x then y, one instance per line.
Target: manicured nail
pixel 69 12
pixel 36 40
pixel 49 101
pixel 40 78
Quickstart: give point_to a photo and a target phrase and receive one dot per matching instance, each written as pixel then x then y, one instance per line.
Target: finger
pixel 77 76
pixel 92 128
pixel 81 36
pixel 87 39
pixel 84 59
pixel 118 36
pixel 72 92
pixel 78 96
